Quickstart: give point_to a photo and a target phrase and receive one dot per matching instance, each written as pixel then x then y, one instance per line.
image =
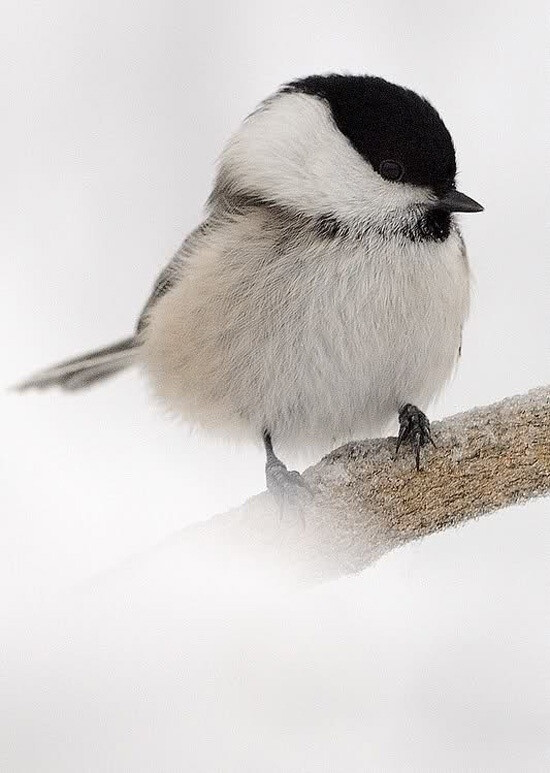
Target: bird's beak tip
pixel 455 201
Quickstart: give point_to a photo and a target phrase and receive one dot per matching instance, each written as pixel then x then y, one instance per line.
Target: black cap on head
pixel 388 123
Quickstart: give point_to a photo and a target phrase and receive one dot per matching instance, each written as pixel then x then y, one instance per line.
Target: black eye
pixel 391 170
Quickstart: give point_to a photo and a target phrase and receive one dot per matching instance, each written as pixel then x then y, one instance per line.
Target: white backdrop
pixel 434 659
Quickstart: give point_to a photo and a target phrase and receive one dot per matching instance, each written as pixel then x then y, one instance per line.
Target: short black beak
pixel 455 201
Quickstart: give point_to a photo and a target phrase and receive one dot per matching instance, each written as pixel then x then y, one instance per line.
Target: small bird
pixel 325 291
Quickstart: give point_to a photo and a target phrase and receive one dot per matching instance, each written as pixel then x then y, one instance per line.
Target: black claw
pixel 415 427
pixel 417 445
pixel 401 437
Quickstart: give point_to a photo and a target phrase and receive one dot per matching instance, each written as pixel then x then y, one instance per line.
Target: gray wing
pixel 91 367
pixel 171 273
pixel 221 207
pixel 165 281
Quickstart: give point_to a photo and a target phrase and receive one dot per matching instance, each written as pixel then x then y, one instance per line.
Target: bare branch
pixel 366 503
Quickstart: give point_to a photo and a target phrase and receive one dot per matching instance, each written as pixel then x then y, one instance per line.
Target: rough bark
pixel 366 502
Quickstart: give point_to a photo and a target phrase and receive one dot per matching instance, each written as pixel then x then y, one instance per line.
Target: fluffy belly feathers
pixel 317 351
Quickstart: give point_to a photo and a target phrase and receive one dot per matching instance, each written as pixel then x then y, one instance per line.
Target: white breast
pixel 317 343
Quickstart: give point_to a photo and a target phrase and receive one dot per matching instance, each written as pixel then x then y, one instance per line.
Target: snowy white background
pixel 435 659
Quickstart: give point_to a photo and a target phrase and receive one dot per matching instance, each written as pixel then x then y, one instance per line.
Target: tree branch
pixel 367 504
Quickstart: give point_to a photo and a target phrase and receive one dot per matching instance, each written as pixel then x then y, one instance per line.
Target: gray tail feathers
pixel 83 371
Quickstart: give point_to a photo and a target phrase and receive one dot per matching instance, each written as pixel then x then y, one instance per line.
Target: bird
pixel 325 292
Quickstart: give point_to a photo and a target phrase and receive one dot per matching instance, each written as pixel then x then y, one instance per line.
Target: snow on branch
pixel 366 503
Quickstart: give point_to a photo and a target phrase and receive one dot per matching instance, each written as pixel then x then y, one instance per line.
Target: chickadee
pixel 326 289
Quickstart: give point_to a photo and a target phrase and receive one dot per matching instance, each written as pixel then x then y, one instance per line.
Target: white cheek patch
pixel 291 152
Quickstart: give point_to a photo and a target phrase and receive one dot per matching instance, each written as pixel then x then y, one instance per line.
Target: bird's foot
pixel 289 489
pixel 414 427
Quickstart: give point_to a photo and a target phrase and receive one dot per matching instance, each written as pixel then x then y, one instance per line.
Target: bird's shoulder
pixel 238 226
pixel 171 273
